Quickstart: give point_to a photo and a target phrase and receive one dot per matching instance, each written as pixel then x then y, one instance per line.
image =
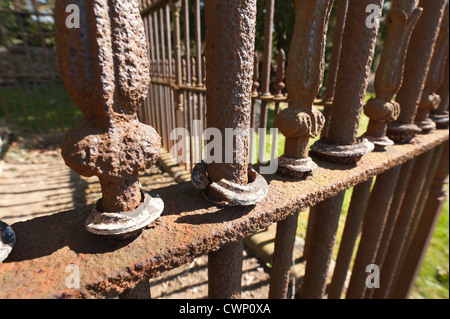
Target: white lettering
pixel 373 19
pixel 73 19
pixel 373 280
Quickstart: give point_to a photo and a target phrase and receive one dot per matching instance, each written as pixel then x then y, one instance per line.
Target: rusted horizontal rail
pixel 202 89
pixel 189 227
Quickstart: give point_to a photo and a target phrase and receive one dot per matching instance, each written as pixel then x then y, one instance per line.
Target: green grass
pixel 433 281
pixel 40 107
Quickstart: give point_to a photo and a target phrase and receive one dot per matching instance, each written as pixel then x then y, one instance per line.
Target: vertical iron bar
pixel 399 194
pixel 424 231
pixel 309 231
pixel 279 82
pixel 435 76
pixel 440 115
pixel 341 15
pixel 163 90
pixel 374 221
pixel 179 107
pixel 282 257
pixel 230 27
pixel 382 109
pixel 225 271
pixel 267 60
pixel 198 43
pixel 402 225
pixel 326 222
pixel 301 121
pixel 418 57
pixel 159 88
pixel 424 193
pixel 169 95
pixel 358 43
pixel 352 229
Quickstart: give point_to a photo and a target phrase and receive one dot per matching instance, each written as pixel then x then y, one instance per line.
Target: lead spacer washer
pixel 7 240
pixel 125 224
pixel 226 193
pixel 346 154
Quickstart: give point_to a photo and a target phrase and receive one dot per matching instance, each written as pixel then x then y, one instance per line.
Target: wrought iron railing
pixel 398 168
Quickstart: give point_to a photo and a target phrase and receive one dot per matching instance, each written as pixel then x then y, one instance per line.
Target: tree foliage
pixel 19 27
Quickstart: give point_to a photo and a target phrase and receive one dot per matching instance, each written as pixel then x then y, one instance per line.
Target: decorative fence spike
pixel 417 63
pixel 280 75
pixel 301 121
pixel 105 68
pixel 440 115
pixel 341 143
pixel 382 110
pixel 430 99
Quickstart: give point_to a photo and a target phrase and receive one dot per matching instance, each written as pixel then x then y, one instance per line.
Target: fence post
pixel 282 257
pixel 301 121
pixel 341 15
pixel 325 226
pixel 105 68
pixel 418 57
pixel 382 110
pixel 267 60
pixel 178 94
pixel 225 271
pixel 373 225
pixel 352 229
pixel 341 143
pixel 230 40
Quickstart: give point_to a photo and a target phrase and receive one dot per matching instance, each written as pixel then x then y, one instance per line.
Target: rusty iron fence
pixel 178 85
pixel 398 169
